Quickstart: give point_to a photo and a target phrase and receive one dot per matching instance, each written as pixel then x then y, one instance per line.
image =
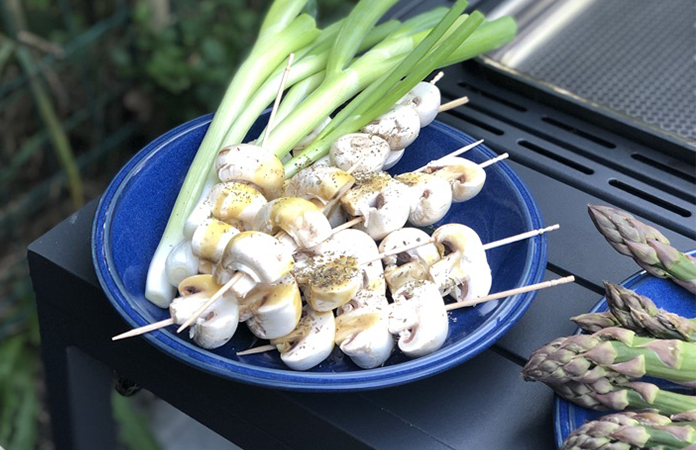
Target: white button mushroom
pixel 195 291
pixel 310 343
pixel 399 127
pixel 362 331
pixel 252 164
pixel 320 182
pixel 273 310
pixel 463 262
pixel 229 202
pixel 425 98
pixel 381 200
pixel 409 265
pixel 431 197
pixel 217 325
pixel 259 255
pixel 359 152
pixel 419 318
pixel 211 238
pixel 181 263
pixel 393 159
pixel 360 245
pixel 465 177
pixel 298 217
pixel 329 281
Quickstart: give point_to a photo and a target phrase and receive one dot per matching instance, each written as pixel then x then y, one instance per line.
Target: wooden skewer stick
pixel 453 104
pixel 276 104
pixel 210 301
pixel 457 152
pixel 531 287
pixel 437 77
pixel 259 349
pixel 485 164
pixel 520 237
pixel 347 225
pixel 490 245
pixel 144 329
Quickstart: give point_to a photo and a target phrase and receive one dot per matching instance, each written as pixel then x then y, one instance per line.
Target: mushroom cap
pixel 425 98
pixel 330 282
pixel 298 217
pixel 261 256
pixel 181 263
pixel 360 245
pixel 462 254
pixel 399 127
pixel 393 159
pixel 217 325
pixel 211 238
pixel 181 308
pixel 198 283
pixel 363 334
pixel 310 343
pixel 431 197
pixel 252 164
pixel 419 317
pixel 232 201
pixel 381 200
pixel 275 309
pixel 322 182
pixel 428 254
pixel 465 177
pixel 359 152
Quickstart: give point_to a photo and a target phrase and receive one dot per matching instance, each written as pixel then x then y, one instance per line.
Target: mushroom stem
pixel 457 152
pixel 531 287
pixel 276 104
pixel 485 164
pixel 212 300
pixel 144 329
pixel 453 104
pixel 437 78
pixel 259 349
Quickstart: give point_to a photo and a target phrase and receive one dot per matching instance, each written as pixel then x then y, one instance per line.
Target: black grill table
pixel 568 157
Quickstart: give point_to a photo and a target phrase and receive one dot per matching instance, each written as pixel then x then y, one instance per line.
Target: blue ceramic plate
pixel 134 209
pixel 666 295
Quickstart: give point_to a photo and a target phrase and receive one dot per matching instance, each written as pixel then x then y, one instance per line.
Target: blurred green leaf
pixel 134 431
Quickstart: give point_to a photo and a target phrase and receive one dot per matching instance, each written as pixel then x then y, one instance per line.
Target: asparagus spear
pixel 646 245
pixel 593 322
pixel 609 352
pixel 632 431
pixel 618 393
pixel 638 313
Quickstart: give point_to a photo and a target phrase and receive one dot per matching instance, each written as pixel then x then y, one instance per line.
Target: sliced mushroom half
pixel 259 255
pixel 321 182
pixel 359 152
pixel 431 197
pixel 330 281
pixel 409 265
pixel 310 343
pixel 211 238
pixel 381 200
pixel 272 311
pixel 362 331
pixel 217 325
pixel 463 262
pixel 465 177
pixel 393 159
pixel 419 319
pixel 399 127
pixel 252 164
pixel 298 217
pixel 425 98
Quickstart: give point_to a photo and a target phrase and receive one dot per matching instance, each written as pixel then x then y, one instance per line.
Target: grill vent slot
pixel 476 122
pixel 581 133
pixel 664 167
pixel 549 154
pixel 493 97
pixel 649 197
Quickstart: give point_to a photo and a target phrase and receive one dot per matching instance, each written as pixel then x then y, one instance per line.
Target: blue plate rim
pixel 513 307
pixel 563 410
